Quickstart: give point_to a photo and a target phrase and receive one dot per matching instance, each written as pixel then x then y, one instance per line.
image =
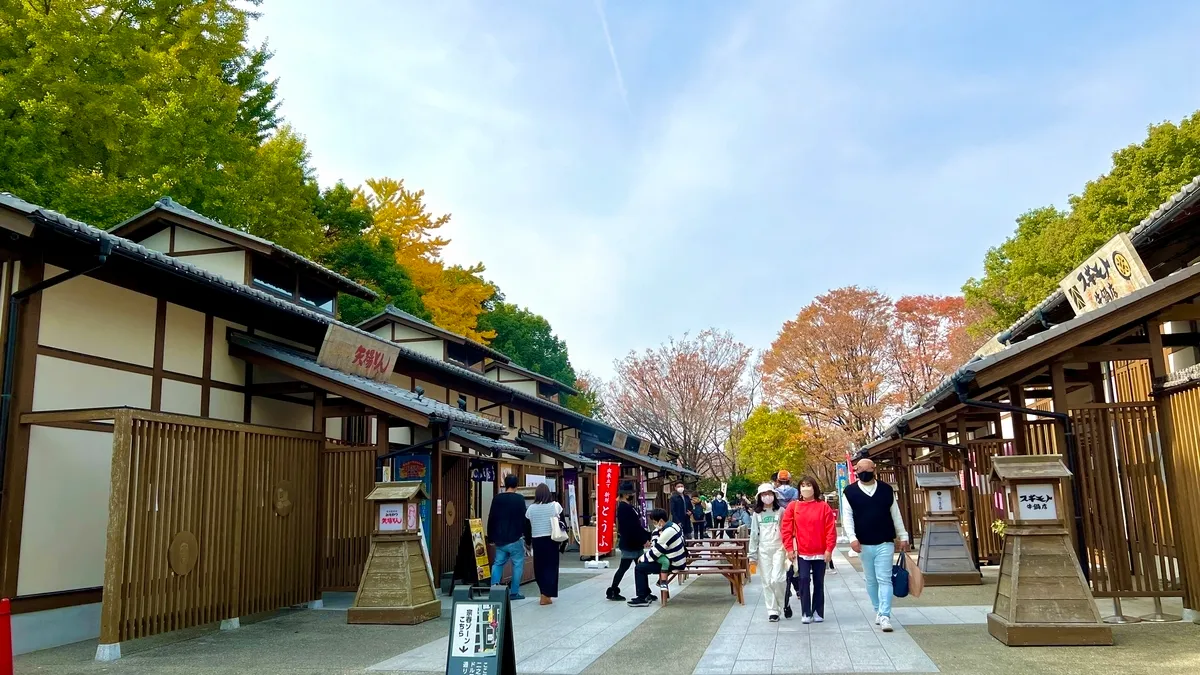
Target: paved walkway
pixel 565 637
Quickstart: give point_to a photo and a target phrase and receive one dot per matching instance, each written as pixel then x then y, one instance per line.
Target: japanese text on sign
pixel 607 476
pixel 357 354
pixel 1036 502
pixel 940 501
pixel 391 517
pixel 475 633
pixel 1114 271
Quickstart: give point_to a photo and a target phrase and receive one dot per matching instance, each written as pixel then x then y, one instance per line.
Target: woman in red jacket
pixel 809 530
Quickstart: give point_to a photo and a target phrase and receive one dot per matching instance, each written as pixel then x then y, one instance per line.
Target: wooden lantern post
pixel 945 558
pixel 397 582
pixel 1042 598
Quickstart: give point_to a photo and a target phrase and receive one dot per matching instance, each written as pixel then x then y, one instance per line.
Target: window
pixel 316 295
pixel 274 277
pixel 512 420
pixel 461 354
pixel 548 430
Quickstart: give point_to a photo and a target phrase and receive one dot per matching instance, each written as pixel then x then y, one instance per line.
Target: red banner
pixel 608 474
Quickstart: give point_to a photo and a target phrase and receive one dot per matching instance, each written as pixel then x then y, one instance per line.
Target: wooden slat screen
pixel 1040 437
pixel 1131 381
pixel 1185 465
pixel 989 506
pixel 1127 524
pixel 247 496
pixel 918 498
pixel 347 476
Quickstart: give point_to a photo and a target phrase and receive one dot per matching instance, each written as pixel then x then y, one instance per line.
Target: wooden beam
pixel 1103 353
pixel 1184 312
pixel 267 389
pixel 1058 386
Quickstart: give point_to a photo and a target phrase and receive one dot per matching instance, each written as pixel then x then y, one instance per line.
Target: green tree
pixel 529 341
pixel 373 264
pixel 739 484
pixel 772 440
pixel 589 402
pixel 1049 243
pixel 105 107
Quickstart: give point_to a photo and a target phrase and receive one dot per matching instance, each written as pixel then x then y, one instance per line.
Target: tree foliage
pixel 684 396
pixel 739 484
pixel 772 440
pixel 928 342
pixel 1048 242
pixel 588 402
pixel 455 296
pixel 106 107
pixel 528 340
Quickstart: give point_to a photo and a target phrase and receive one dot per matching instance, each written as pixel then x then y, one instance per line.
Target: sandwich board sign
pixel 481 637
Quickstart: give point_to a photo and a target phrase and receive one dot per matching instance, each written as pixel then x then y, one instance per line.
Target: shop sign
pixel 357 354
pixel 1114 271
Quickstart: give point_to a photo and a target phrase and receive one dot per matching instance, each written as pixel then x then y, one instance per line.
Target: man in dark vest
pixel 873 524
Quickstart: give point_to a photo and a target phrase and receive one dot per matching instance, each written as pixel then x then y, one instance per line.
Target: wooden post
pixel 1095 376
pixel 1058 392
pixel 109 648
pixel 1016 397
pixel 906 472
pixel 969 479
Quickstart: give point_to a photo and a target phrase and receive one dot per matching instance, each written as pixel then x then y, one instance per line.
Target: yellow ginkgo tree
pixel 454 295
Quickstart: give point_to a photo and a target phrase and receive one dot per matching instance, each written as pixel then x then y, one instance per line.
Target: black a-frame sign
pixel 481 634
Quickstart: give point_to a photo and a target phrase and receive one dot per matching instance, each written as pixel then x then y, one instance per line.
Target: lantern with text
pixel 397 581
pixel 945 558
pixel 1042 598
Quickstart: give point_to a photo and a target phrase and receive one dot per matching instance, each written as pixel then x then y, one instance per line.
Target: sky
pixel 639 170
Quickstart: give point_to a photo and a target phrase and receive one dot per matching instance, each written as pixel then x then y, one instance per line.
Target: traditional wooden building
pixel 1101 373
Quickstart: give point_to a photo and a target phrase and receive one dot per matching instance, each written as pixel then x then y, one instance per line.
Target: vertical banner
pixel 608 474
pixel 570 477
pixel 642 497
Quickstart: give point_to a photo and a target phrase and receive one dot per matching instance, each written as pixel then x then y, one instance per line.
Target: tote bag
pixel 557 531
pixel 900 577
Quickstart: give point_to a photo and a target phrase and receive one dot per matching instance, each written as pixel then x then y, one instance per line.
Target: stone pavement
pixel 565 637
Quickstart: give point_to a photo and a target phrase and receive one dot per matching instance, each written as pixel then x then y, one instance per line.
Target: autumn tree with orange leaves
pixel 831 364
pixel 685 396
pixel 928 342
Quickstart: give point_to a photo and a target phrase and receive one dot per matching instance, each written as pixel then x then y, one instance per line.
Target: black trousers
pixel 626 563
pixel 811 601
pixel 641 576
pixel 698 529
pixel 545 565
pixel 787 593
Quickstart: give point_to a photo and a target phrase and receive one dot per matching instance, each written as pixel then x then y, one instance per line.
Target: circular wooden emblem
pixel 283 498
pixel 450 514
pixel 183 553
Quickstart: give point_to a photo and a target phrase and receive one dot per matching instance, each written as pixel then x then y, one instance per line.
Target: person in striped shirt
pixel 667 553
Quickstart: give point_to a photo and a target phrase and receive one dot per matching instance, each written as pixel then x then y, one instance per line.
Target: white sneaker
pixel 818 618
pixel 806 619
pixel 877 617
pixel 885 623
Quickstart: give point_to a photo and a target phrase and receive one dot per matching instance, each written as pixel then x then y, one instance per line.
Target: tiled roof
pixel 494 444
pixel 172 206
pixel 435 409
pixel 645 459
pixel 543 445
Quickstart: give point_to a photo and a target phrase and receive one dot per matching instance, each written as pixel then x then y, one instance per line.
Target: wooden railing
pixel 1127 520
pixel 988 504
pixel 1184 473
pixel 347 475
pixel 1040 438
pixel 207 520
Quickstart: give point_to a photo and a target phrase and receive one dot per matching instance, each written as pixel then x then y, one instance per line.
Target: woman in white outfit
pixel 766 549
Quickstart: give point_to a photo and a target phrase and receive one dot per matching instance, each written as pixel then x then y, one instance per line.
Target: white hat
pixel 765 487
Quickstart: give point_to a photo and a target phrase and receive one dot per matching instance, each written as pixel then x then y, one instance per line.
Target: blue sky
pixel 719 164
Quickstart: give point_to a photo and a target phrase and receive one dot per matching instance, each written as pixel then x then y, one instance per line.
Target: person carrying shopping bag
pixel 766 549
pixel 809 531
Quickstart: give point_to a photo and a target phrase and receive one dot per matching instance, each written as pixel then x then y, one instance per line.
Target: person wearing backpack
pixel 873 524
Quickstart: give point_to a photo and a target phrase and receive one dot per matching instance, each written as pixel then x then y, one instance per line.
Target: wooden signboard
pixel 620 438
pixel 570 444
pixel 481 635
pixel 1042 597
pixel 1114 271
pixel 945 558
pixel 643 447
pixel 357 354
pixel 397 582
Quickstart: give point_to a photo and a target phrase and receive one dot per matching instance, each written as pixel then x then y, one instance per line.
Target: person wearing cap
pixel 766 549
pixel 785 494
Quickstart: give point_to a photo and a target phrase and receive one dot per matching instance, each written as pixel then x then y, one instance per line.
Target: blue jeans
pixel 516 553
pixel 877 572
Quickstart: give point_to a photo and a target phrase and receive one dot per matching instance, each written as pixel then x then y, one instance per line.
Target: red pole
pixel 6 648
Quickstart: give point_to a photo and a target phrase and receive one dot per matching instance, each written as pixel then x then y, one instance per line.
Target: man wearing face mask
pixel 680 509
pixel 873 524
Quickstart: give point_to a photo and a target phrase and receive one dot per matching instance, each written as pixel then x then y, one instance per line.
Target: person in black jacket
pixel 507 527
pixel 631 538
pixel 681 510
pixel 720 511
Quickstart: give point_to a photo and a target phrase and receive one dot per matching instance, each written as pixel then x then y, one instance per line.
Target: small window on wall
pixel 316 295
pixel 548 430
pixel 274 277
pixel 512 420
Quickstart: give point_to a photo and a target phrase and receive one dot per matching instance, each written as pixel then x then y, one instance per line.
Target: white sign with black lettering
pixel 941 500
pixel 474 631
pixel 1036 501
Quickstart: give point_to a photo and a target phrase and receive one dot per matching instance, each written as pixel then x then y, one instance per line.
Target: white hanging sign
pixel 1036 501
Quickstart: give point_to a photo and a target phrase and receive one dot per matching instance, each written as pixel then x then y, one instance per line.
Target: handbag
pixel 557 532
pixel 916 578
pixel 900 577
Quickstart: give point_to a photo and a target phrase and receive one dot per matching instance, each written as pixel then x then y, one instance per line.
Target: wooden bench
pixel 728 557
pixel 734 575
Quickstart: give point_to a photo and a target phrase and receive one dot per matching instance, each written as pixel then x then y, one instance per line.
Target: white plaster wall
pixel 63 385
pixel 66 510
pixel 275 413
pixel 191 240
pixel 409 333
pixel 333 427
pixel 402 435
pixel 181 397
pixel 431 347
pixel 226 368
pixel 225 405
pixel 230 265
pixel 183 344
pixel 159 241
pixel 91 317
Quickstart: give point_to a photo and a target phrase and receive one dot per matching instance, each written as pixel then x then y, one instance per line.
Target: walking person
pixel 507 527
pixel 785 494
pixel 667 553
pixel 809 535
pixel 681 510
pixel 697 518
pixel 873 524
pixel 541 513
pixel 631 539
pixel 766 549
pixel 720 512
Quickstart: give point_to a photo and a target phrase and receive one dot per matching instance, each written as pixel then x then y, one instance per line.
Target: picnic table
pixel 729 558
